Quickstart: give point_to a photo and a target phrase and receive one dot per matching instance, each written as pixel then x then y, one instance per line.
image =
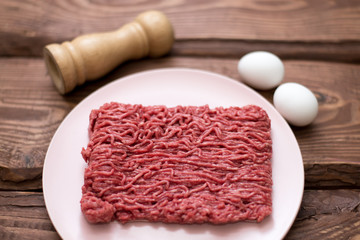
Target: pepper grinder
pixel 91 56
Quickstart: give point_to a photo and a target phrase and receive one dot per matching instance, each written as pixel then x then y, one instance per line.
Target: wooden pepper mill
pixel 91 56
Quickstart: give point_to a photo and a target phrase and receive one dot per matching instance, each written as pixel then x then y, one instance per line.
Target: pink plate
pixel 64 166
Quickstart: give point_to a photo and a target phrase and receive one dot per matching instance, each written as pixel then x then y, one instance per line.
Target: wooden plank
pixel 348 51
pixel 339 174
pixel 324 214
pixel 333 214
pixel 30 112
pixel 27 26
pixel 23 216
pixel 27 94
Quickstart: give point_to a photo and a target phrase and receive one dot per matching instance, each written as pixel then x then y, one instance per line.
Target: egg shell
pixel 296 103
pixel 261 70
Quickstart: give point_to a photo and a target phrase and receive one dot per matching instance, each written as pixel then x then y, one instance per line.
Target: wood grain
pixel 26 26
pixel 324 214
pixel 31 110
pixel 333 214
pixel 23 216
pixel 345 51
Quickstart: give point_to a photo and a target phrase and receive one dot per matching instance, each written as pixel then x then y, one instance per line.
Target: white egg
pixel 261 70
pixel 296 103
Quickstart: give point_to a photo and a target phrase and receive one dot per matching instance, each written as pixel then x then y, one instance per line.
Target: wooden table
pixel 319 42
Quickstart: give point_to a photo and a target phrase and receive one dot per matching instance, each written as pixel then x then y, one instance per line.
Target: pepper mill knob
pixel 91 56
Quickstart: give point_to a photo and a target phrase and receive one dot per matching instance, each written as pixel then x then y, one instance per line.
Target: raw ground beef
pixel 185 164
